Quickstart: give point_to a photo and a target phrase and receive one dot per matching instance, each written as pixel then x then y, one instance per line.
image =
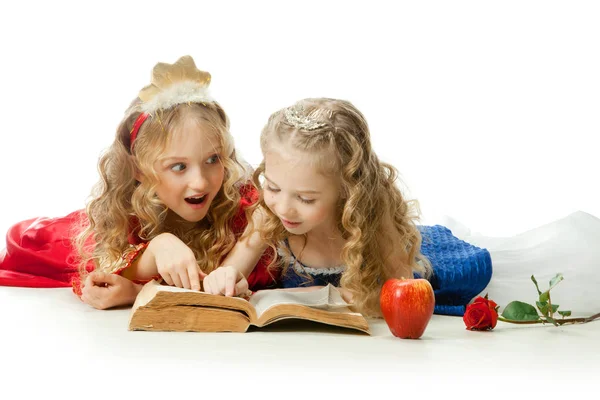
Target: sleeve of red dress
pixel 128 259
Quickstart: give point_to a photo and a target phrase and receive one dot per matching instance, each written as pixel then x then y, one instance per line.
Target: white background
pixel 488 110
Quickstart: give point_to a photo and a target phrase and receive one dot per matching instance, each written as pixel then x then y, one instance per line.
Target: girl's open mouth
pixel 196 200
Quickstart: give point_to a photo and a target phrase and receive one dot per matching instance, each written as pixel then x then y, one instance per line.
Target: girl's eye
pixel 272 189
pixel 306 201
pixel 178 167
pixel 213 159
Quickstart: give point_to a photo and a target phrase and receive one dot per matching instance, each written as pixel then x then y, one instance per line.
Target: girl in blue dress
pixel 334 214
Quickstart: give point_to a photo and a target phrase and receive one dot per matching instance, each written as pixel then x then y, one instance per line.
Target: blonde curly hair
pixel 119 202
pixel 340 141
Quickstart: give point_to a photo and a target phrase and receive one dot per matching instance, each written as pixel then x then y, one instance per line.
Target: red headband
pixel 136 127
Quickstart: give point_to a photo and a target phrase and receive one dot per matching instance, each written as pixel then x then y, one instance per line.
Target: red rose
pixel 481 315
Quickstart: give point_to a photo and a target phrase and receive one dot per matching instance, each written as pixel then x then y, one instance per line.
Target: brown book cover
pixel 168 308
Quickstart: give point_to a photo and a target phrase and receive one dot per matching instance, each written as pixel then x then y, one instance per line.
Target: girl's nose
pixel 284 208
pixel 199 182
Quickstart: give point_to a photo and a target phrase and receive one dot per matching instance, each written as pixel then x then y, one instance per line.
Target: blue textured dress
pixel 460 270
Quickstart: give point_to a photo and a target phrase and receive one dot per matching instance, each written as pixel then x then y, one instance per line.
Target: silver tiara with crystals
pixel 296 117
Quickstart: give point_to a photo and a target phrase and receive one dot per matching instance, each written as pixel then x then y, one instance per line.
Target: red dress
pixel 39 252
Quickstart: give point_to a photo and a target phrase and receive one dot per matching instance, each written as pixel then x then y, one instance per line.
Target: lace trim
pixel 301 268
pixel 318 271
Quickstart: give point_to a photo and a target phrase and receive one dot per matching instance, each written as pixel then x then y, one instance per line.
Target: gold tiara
pixel 173 84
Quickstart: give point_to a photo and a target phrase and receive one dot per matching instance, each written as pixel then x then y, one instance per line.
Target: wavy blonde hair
pixel 369 195
pixel 120 202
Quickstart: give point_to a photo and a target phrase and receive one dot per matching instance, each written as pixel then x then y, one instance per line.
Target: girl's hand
pixel 346 295
pixel 101 290
pixel 175 261
pixel 226 280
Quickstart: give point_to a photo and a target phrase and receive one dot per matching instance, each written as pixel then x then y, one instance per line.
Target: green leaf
pixel 536 284
pixel 550 319
pixel 519 311
pixel 543 307
pixel 554 281
pixel 565 313
pixel 544 296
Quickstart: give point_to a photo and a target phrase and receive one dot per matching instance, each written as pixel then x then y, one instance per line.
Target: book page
pixel 327 298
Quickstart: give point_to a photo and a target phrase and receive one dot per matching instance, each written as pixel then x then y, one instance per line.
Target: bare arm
pixel 248 250
pixel 230 278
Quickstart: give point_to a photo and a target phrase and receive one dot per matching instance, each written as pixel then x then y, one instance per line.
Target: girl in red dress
pixel 171 203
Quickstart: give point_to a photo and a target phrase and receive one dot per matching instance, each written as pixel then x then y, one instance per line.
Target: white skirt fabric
pixel 570 246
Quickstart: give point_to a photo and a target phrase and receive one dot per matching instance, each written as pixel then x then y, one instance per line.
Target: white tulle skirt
pixel 570 246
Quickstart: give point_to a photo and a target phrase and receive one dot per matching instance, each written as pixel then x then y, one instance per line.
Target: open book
pixel 168 308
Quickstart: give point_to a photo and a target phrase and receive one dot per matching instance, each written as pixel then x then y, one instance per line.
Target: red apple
pixel 407 306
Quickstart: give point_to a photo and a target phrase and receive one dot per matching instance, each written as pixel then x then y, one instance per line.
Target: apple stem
pixel 559 321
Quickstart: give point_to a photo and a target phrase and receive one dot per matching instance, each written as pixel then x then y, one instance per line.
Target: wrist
pixel 135 290
pixel 239 272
